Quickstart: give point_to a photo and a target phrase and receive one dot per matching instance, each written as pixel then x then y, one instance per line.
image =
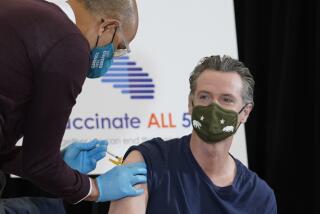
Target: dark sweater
pixel 44 59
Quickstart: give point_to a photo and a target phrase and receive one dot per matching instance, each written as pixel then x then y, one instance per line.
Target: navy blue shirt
pixel 177 184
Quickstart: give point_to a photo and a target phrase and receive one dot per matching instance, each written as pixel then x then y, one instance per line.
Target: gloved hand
pixel 119 181
pixel 84 156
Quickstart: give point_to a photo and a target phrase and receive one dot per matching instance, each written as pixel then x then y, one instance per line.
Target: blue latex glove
pixel 119 181
pixel 84 156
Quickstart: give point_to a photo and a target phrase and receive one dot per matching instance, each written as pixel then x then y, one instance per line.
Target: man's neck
pixel 214 159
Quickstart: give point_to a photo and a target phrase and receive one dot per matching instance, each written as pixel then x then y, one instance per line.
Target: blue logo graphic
pixel 130 79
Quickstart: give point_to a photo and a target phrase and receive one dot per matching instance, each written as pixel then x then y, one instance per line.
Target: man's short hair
pixel 118 9
pixel 225 64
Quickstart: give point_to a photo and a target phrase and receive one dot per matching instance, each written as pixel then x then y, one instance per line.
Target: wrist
pixel 94 194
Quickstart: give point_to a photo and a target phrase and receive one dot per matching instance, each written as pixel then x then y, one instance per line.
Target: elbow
pixel 39 170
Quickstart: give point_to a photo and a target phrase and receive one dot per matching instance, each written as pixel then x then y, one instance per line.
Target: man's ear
pixel 108 24
pixel 246 112
pixel 190 103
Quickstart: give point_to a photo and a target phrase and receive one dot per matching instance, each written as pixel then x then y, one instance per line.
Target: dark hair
pixel 225 64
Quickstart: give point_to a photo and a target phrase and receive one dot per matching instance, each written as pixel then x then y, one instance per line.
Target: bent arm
pixel 57 81
pixel 138 204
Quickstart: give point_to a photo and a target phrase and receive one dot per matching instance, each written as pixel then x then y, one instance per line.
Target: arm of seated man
pixel 132 205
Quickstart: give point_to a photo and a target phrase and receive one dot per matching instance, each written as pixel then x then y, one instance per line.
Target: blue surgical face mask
pixel 101 59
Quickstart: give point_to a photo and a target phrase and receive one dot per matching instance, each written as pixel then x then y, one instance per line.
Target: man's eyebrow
pixel 203 91
pixel 228 95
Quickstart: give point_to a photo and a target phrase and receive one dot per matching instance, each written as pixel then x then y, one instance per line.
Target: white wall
pixel 172 37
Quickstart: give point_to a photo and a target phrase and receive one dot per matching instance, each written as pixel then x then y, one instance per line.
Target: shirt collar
pixel 65 7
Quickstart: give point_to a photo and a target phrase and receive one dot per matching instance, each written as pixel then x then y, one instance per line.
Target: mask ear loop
pixel 98 37
pixel 242 108
pixel 240 113
pixel 114 34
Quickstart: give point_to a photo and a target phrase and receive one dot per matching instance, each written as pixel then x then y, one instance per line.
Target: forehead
pixel 219 82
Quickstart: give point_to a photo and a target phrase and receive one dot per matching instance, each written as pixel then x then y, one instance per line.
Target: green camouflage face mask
pixel 213 123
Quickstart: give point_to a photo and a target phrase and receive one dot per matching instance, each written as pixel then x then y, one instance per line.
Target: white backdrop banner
pixel 145 95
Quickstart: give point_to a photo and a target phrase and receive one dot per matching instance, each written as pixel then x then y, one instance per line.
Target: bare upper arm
pixel 133 205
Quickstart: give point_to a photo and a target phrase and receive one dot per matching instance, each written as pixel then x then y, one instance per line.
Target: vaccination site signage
pixel 144 95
